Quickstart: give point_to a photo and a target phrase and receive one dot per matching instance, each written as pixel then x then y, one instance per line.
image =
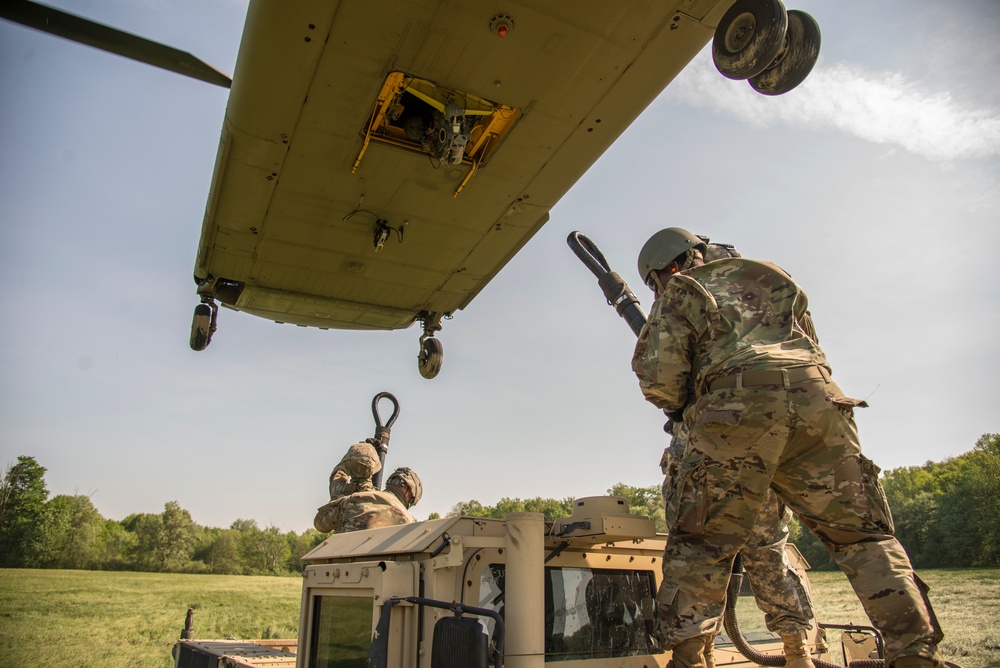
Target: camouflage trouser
pixel 777 587
pixel 801 441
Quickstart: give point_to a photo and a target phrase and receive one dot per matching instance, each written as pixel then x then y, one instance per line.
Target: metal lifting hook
pixel 381 438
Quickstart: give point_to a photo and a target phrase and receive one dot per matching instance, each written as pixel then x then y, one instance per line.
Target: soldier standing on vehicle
pixel 779 589
pixel 355 504
pixel 763 413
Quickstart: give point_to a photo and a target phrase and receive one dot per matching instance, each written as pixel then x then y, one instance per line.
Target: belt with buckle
pixel 780 377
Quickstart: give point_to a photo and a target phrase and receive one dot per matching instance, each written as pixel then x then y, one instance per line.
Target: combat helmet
pixel 361 461
pixel 406 476
pixel 663 247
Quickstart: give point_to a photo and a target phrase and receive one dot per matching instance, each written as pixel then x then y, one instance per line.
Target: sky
pixel 876 184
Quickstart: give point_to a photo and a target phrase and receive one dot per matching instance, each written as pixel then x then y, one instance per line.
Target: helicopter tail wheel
pixel 749 37
pixel 796 59
pixel 203 325
pixel 430 358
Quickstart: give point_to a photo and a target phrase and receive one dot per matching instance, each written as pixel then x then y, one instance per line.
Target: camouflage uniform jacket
pixel 341 483
pixel 720 318
pixel 366 509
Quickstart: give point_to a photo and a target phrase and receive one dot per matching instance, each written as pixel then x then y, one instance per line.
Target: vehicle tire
pixel 796 60
pixel 431 357
pixel 749 37
pixel 201 327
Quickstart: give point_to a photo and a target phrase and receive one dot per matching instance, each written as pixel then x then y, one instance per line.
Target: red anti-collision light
pixel 501 25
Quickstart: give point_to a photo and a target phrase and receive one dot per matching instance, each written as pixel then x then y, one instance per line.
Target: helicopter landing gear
pixel 796 58
pixel 431 350
pixel 431 356
pixel 749 37
pixel 204 323
pixel 759 41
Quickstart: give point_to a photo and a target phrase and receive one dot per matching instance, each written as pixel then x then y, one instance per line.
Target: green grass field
pixel 89 619
pixel 966 601
pixel 95 619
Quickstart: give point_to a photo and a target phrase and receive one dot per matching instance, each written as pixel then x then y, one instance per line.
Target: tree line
pixel 68 532
pixel 947 515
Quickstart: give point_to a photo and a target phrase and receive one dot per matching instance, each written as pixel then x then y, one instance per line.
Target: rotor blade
pixel 109 39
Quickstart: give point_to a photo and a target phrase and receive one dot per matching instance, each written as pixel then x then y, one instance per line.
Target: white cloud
pixel 880 107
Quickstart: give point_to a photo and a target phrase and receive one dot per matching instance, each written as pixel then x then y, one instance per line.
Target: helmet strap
pixel 659 284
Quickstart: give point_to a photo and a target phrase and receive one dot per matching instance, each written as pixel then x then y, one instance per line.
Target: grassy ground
pixel 966 601
pixel 89 619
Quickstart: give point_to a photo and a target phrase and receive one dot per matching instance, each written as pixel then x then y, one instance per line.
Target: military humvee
pixel 469 592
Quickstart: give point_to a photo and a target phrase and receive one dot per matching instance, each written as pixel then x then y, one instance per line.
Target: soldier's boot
pixel 709 651
pixel 689 653
pixel 797 652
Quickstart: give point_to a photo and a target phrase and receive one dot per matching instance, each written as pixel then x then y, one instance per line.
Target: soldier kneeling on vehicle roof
pixel 355 504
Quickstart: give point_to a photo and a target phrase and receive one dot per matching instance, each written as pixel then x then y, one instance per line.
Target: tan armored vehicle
pixel 467 592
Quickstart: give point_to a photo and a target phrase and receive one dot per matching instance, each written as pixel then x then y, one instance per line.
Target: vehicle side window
pixel 589 613
pixel 341 631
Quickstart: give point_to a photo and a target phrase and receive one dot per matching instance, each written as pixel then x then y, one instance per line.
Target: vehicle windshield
pixel 589 613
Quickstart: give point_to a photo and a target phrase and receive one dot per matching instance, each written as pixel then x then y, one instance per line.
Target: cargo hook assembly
pixel 381 438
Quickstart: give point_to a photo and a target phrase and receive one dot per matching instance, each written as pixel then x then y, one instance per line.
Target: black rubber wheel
pixel 796 60
pixel 201 327
pixel 749 37
pixel 431 357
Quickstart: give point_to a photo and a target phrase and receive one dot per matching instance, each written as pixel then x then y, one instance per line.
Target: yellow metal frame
pixel 494 120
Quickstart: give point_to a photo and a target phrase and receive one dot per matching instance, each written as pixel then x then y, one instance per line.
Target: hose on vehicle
pixel 743 647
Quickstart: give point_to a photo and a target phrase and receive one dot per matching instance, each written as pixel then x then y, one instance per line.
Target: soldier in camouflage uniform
pixel 356 505
pixel 779 590
pixel 763 413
